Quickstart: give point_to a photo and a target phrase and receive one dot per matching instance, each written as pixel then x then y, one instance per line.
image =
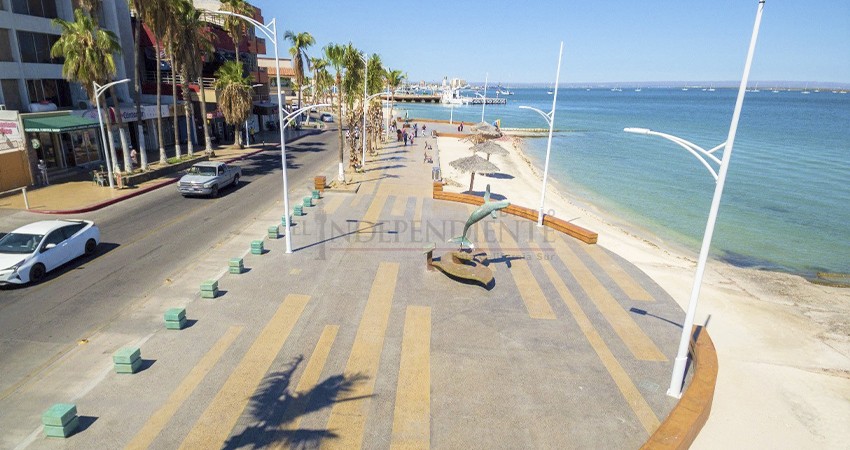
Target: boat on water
pixel 504 92
pixel 638 89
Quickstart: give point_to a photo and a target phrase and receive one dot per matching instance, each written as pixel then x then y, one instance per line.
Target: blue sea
pixel 786 204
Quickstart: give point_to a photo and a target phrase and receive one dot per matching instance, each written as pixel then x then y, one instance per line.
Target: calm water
pixel 787 200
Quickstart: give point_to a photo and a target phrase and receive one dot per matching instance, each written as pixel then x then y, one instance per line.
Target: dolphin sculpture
pixel 487 208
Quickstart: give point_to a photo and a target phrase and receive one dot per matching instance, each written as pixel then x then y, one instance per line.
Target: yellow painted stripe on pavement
pixel 532 295
pixel 627 387
pixel 332 203
pixel 217 421
pixel 373 213
pixel 163 415
pixel 309 380
pixel 399 206
pixel 412 416
pixel 366 189
pixel 625 281
pixel 348 415
pixel 630 333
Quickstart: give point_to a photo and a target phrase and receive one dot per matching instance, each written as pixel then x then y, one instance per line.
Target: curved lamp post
pixel 706 157
pixel 484 103
pixel 270 31
pixel 98 89
pixel 550 119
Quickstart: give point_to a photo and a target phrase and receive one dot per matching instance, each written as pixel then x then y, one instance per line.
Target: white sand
pixel 783 344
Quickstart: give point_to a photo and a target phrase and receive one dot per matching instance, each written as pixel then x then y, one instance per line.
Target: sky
pixel 604 40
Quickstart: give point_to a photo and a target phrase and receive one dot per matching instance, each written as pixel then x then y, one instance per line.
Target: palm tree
pixel 158 16
pixel 317 64
pixel 235 26
pixel 393 79
pixel 137 6
pixel 375 84
pixel 88 51
pixel 351 86
pixel 236 95
pixel 335 55
pixel 300 43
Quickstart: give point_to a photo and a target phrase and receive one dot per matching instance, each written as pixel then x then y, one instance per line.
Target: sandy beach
pixel 783 344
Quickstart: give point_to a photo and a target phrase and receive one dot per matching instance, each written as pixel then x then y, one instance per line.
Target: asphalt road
pixel 145 241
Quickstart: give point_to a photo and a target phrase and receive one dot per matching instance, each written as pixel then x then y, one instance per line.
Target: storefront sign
pixel 129 114
pixel 10 132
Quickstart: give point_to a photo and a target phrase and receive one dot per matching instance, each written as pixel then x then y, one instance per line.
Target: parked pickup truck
pixel 207 178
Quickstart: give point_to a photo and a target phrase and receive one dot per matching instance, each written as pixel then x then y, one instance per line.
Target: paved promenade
pixel 350 343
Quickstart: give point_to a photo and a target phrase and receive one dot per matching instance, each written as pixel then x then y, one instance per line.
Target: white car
pixel 28 253
pixel 325 117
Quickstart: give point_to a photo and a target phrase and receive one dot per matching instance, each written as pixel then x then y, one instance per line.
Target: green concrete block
pixel 235 265
pixel 59 414
pixel 62 431
pixel 133 367
pixel 175 324
pixel 209 294
pixel 308 201
pixel 256 247
pixel 209 285
pixel 316 194
pixel 127 355
pixel 298 211
pixel 175 314
pixel 273 232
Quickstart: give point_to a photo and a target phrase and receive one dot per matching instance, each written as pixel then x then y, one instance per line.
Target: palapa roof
pixel 474 163
pixel 489 148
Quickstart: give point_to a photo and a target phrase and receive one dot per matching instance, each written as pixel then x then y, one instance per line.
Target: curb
pixel 145 190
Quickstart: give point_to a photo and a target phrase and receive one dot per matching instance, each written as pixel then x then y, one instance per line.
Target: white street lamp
pixel 270 31
pixel 550 119
pixel 678 376
pixel 365 102
pixel 484 102
pixel 110 158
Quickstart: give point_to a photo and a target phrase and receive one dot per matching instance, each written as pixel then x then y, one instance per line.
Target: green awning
pixel 58 124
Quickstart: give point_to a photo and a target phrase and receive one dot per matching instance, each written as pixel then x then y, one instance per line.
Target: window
pixel 70 230
pixel 5 44
pixel 35 47
pixel 40 8
pixel 55 237
pixel 49 91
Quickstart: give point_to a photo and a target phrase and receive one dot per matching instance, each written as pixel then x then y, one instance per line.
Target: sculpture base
pixel 465 267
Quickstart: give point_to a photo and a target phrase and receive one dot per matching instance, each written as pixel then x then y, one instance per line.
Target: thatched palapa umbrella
pixel 473 164
pixel 483 126
pixel 490 148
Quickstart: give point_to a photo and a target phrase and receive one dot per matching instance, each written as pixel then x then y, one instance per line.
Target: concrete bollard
pixel 298 210
pixel 273 231
pixel 60 420
pixel 235 266
pixel 308 201
pixel 175 319
pixel 257 247
pixel 127 360
pixel 209 289
pixel 316 194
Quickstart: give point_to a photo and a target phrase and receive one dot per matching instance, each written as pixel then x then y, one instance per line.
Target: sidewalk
pixel 82 196
pixel 350 342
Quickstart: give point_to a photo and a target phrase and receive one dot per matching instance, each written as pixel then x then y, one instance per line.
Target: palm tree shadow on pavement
pixel 274 407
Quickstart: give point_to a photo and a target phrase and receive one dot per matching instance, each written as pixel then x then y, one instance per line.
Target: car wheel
pixel 91 246
pixel 214 192
pixel 236 180
pixel 37 273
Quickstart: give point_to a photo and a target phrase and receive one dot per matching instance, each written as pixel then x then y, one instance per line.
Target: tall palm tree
pixel 317 64
pixel 137 6
pixel 195 42
pixel 236 95
pixel 393 79
pixel 88 51
pixel 300 43
pixel 234 26
pixel 158 16
pixel 374 85
pixel 335 55
pixel 352 87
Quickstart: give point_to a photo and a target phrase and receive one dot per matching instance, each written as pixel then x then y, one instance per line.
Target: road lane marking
pixel 630 333
pixel 631 393
pixel 348 415
pixel 529 289
pixel 373 213
pixel 625 281
pixel 157 422
pixel 215 424
pixel 412 415
pixel 399 206
pixel 309 380
pixel 332 203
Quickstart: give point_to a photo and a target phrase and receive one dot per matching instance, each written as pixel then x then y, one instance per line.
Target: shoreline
pixel 781 340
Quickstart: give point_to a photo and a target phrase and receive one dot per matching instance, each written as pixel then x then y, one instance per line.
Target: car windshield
pixel 19 243
pixel 202 170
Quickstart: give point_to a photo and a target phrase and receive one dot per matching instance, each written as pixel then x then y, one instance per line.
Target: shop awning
pixel 265 108
pixel 58 124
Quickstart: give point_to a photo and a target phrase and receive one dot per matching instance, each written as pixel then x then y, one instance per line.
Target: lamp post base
pixel 678 377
